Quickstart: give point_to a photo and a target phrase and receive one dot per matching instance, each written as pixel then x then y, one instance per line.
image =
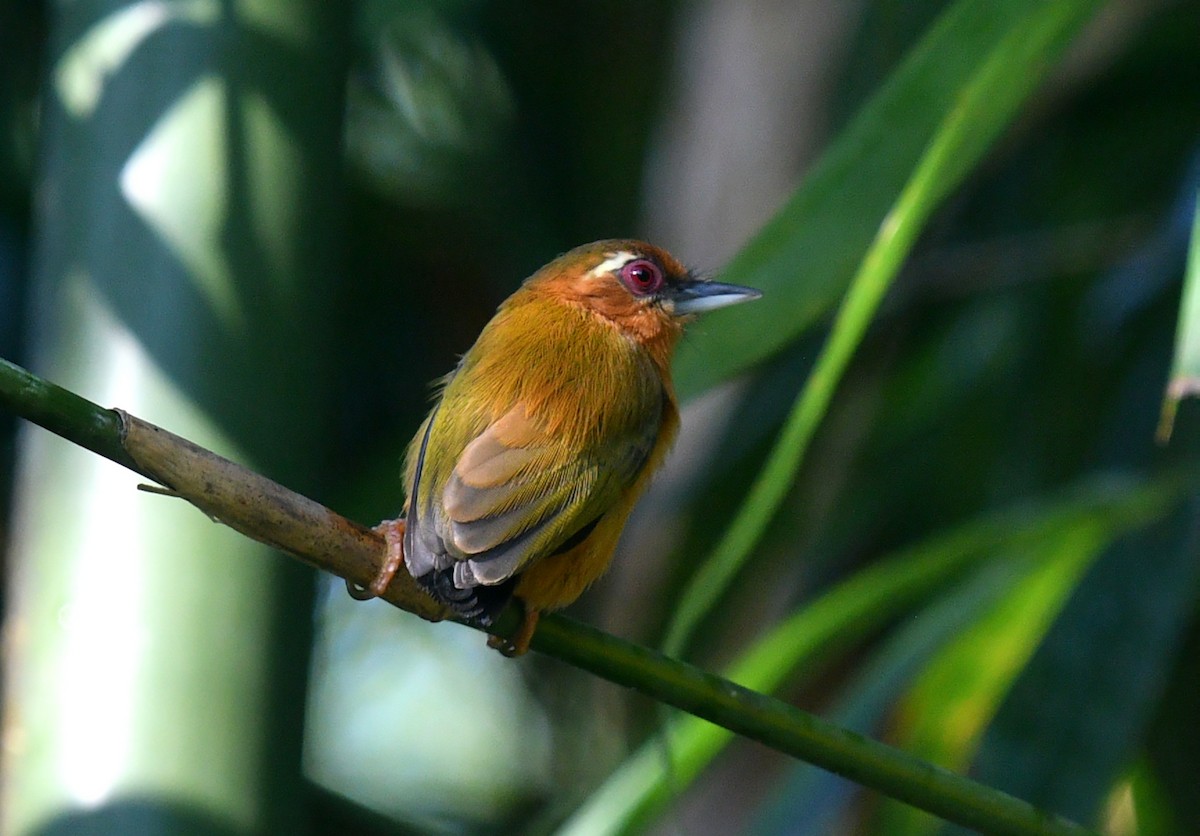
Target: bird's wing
pixel 516 494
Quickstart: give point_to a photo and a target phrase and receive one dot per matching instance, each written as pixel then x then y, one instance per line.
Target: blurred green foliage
pixel 1020 357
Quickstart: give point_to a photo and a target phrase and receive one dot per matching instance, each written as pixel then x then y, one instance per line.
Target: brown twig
pixel 267 512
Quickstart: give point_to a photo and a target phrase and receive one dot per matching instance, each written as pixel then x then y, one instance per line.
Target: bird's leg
pixel 518 645
pixel 393 533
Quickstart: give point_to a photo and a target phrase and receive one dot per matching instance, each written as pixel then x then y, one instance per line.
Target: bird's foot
pixel 393 534
pixel 518 645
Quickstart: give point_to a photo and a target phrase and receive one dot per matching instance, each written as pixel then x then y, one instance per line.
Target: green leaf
pixel 957 695
pixel 810 800
pixel 1151 805
pixel 804 257
pixel 1013 53
pixel 844 615
pixel 1185 371
pixel 1050 743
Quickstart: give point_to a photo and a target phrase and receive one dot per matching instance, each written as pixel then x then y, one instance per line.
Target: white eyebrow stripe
pixel 612 263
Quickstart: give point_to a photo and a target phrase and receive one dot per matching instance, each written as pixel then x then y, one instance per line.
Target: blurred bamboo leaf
pixel 1013 54
pixel 810 801
pixel 1185 371
pixel 1172 750
pixel 845 614
pixel 949 707
pixel 1119 635
pixel 985 55
pixel 428 102
pixel 1151 805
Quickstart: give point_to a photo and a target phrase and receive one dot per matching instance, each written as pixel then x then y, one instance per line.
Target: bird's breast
pixel 581 377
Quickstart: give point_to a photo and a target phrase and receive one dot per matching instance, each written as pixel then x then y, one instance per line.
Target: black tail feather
pixel 478 604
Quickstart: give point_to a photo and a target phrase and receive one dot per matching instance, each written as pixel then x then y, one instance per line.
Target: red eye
pixel 642 277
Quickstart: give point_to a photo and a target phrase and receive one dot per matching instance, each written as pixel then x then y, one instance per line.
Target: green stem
pixel 63 413
pixel 789 730
pixel 740 710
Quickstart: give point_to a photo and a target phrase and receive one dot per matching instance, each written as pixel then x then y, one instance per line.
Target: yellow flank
pixel 555 581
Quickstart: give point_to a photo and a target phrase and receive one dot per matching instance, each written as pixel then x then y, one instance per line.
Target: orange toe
pixel 393 534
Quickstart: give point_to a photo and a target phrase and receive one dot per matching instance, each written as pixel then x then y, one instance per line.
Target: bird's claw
pixel 393 534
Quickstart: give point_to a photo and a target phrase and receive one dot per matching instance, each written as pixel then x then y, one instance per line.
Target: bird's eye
pixel 642 277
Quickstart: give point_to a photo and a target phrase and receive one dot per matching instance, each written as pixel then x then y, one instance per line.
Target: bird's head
pixel 641 289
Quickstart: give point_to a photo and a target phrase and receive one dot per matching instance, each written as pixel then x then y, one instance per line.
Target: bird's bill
pixel 698 297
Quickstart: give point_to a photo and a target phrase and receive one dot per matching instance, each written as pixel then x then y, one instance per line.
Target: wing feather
pixel 515 494
pixel 424 551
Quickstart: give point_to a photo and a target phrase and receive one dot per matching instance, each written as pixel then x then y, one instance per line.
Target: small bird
pixel 522 477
